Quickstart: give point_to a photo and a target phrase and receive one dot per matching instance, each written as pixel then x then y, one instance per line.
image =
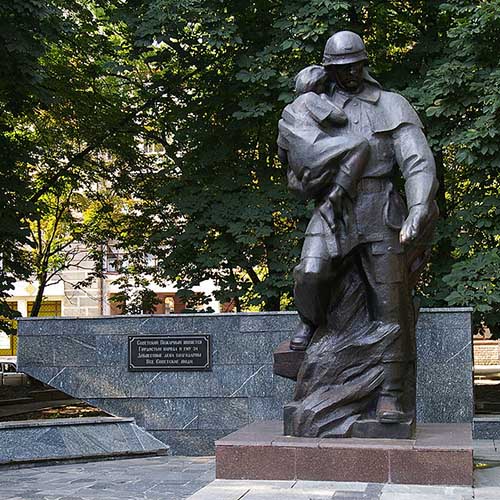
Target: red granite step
pixel 441 454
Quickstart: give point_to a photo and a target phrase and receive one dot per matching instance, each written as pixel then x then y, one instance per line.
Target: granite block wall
pixel 88 358
pixel 445 376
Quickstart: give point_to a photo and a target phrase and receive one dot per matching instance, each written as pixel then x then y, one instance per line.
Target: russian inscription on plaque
pixel 169 352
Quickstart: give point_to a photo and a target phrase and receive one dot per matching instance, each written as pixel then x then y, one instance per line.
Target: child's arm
pixel 350 170
pixel 322 110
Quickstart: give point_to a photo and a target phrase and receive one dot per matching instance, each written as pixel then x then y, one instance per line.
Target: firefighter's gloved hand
pixel 336 198
pixel 326 211
pixel 414 223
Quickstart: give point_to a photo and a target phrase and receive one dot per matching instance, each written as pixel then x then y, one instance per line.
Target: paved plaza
pixel 153 478
pixel 178 478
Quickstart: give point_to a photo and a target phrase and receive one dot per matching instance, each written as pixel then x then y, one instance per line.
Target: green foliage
pixel 22 27
pixel 219 209
pixel 134 296
pixel 459 94
pixel 67 94
pixel 54 237
pixel 207 81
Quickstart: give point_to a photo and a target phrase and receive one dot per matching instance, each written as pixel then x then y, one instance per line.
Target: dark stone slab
pixel 62 350
pixel 117 382
pixel 228 347
pixel 41 373
pixel 112 350
pixel 180 413
pixel 440 454
pixel 51 326
pixel 242 353
pixel 260 383
pixel 222 413
pixel 75 438
pixel 374 429
pixel 286 361
pixel 217 324
pixel 283 389
pixel 248 348
pixel 108 325
pixel 265 408
pixel 444 366
pixel 148 325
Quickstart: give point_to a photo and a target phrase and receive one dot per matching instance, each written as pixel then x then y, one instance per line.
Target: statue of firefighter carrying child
pixel 344 140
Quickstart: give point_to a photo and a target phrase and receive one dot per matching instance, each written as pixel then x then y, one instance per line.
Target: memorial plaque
pixel 169 352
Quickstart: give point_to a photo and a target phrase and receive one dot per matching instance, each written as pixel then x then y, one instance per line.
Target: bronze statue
pixel 344 140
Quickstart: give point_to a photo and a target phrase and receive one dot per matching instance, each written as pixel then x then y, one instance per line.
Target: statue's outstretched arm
pixel 416 162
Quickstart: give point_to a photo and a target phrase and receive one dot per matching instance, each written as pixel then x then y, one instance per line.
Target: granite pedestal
pixel 441 454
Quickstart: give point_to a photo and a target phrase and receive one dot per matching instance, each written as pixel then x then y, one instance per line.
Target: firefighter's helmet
pixel 344 47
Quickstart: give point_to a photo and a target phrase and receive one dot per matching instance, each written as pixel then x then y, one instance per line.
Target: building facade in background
pixel 64 296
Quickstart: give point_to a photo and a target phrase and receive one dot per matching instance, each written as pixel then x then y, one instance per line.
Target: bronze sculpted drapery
pixel 344 140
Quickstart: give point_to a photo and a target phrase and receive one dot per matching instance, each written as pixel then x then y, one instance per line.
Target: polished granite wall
pixel 445 377
pixel 88 358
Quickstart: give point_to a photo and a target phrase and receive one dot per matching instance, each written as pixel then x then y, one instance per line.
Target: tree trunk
pixel 272 303
pixel 42 283
pixel 444 247
pixel 441 193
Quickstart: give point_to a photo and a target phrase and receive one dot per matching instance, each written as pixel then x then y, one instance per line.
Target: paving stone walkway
pixel 154 478
pixel 179 478
pixel 324 490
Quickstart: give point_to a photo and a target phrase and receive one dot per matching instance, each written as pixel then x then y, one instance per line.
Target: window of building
pixel 168 303
pixel 152 261
pixel 48 308
pixel 115 261
pixel 8 343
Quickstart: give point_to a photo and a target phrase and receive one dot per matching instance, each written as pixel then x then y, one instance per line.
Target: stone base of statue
pixel 344 372
pixel 287 363
pixel 372 428
pixel 440 454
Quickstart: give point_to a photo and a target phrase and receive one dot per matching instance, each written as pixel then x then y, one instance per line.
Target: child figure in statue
pixel 311 141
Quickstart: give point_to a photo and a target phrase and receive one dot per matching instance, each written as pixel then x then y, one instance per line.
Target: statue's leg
pixel 313 280
pixel 389 300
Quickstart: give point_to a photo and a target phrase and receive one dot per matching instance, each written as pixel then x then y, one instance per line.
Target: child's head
pixel 311 79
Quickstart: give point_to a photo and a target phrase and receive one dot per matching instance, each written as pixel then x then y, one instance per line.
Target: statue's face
pixel 347 76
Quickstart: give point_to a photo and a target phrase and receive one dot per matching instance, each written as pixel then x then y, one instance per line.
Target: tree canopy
pixel 207 81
